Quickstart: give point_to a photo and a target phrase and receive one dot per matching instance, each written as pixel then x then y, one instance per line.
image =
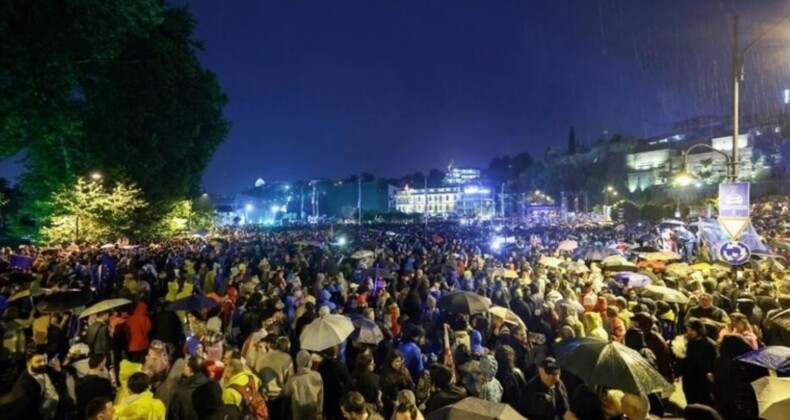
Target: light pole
pixel 609 190
pixel 685 177
pixel 737 76
pixel 359 200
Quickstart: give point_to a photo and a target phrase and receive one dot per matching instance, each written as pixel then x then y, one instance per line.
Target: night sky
pixel 331 88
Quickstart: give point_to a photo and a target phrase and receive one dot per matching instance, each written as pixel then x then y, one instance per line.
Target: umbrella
pixel 781 318
pixel 550 262
pixel 770 357
pixel 506 314
pixel 62 301
pixel 104 306
pixel 326 332
pixel 578 267
pixel 192 303
pixel 701 266
pixel 661 256
pixel 472 408
pixel 594 253
pixel 18 277
pixel 633 279
pixel 504 273
pixel 664 293
pixel 611 364
pixel 618 263
pixel 363 253
pixel 379 273
pixel 28 293
pixel 658 265
pixel 568 245
pixel 108 246
pixel 367 331
pixel 679 270
pixel 773 397
pixel 463 303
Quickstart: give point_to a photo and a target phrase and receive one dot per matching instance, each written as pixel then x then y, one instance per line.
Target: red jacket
pixel 137 328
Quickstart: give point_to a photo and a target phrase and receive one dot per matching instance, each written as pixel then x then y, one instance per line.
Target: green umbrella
pixel 610 364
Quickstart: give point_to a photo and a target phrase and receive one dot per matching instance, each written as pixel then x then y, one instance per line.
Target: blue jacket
pixel 412 358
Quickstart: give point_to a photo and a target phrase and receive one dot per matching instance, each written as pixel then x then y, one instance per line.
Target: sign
pixel 734 208
pixel 735 253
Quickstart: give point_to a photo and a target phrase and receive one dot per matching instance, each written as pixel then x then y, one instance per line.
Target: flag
pixel 108 268
pixel 21 262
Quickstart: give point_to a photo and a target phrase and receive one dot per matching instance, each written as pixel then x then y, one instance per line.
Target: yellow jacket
pixel 230 395
pixel 141 407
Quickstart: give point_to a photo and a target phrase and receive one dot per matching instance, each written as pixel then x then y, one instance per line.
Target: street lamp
pixel 96 176
pixel 737 76
pixel 685 178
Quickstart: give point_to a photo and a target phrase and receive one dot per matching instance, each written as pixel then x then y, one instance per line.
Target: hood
pixel 488 365
pixel 140 309
pixel 592 320
pixel 476 341
pixel 325 295
pixel 303 359
pixel 197 380
pixel 644 321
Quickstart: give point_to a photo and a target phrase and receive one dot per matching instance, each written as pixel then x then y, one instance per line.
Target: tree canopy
pixel 106 85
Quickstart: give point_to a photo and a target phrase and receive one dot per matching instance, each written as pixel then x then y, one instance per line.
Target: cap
pixel 550 365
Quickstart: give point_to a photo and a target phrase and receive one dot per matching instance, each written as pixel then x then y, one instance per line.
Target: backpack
pixel 253 403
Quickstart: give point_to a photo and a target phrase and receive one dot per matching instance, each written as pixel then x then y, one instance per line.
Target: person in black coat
pixel 336 379
pixel 207 400
pixel 92 385
pixel 700 357
pixel 545 396
pixel 166 327
pixel 443 381
pixel 181 407
pixel 365 381
pixel 39 392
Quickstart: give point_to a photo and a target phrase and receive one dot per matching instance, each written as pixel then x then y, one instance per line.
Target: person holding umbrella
pixel 697 364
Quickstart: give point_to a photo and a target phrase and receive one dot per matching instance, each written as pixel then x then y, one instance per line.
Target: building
pixel 463 194
pixel 342 198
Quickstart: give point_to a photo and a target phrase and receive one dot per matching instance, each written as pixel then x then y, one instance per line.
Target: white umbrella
pixel 104 306
pixel 108 246
pixel 568 245
pixel 550 262
pixel 363 253
pixel 506 314
pixel 773 397
pixel 326 332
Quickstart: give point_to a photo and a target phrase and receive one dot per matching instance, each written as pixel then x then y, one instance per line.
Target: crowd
pixel 396 322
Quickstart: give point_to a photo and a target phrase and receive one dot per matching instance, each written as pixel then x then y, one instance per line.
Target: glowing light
pixel 497 242
pixel 275 208
pixel 341 240
pixel 249 207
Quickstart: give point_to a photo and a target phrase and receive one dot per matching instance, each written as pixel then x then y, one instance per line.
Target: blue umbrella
pixel 771 357
pixel 192 303
pixel 633 279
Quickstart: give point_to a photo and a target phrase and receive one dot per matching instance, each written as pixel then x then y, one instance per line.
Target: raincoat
pixel 138 326
pixel 140 407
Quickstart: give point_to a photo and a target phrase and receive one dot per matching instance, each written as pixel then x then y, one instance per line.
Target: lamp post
pixel 685 177
pixel 737 76
pixel 609 190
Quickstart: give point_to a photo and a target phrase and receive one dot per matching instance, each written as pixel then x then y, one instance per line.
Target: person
pixel 545 396
pixel 207 400
pixel 137 328
pixel 585 405
pixel 141 402
pixel 157 363
pixel 235 374
pixel 739 324
pixel 446 392
pixel 37 391
pixel 698 364
pixel 412 354
pixel 99 409
pixel 274 368
pixel 394 378
pixel 489 389
pixel 510 377
pixel 336 378
pixel 365 381
pixel 709 313
pixel 354 407
pixel 407 411
pixel 180 407
pixel 94 384
pixel 636 407
pixel 305 389
pixel 98 337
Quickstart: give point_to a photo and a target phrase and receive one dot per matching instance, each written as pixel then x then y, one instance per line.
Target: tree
pixel 110 85
pixel 572 142
pixel 90 212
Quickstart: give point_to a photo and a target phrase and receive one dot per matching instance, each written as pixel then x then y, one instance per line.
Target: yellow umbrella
pixel 550 262
pixel 661 256
pixel 701 266
pixel 506 314
pixel 773 397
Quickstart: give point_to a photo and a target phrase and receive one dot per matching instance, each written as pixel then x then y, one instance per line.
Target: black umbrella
pixel 192 303
pixel 461 302
pixel 366 331
pixel 63 301
pixel 17 277
pixel 610 364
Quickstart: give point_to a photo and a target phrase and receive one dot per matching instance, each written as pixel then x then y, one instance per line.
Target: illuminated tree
pixel 90 212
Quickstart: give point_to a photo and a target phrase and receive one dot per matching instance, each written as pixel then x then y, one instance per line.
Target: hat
pixel 696 325
pixel 79 349
pixel 550 365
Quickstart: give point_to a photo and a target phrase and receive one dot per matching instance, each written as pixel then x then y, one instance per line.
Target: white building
pixel 462 196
